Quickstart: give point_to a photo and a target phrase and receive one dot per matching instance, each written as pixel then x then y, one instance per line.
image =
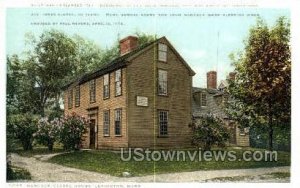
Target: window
pixel 163 122
pixel 106 123
pixel 106 86
pixel 203 99
pixel 70 98
pixel 225 99
pixel 162 82
pixel 77 96
pixel 92 91
pixel 162 52
pixel 118 82
pixel 242 131
pixel 118 114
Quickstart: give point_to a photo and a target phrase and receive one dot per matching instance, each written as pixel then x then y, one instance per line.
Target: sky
pixel 205 42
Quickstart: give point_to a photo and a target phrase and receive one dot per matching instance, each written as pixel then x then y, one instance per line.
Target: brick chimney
pixel 128 44
pixel 211 80
pixel 232 75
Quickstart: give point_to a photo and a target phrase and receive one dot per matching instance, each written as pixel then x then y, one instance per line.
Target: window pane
pixel 162 82
pixel 77 96
pixel 70 99
pixel 118 75
pixel 163 122
pixel 162 56
pixel 106 86
pixel 162 52
pixel 92 91
pixel 203 99
pixel 162 47
pixel 118 122
pixel 106 78
pixel 106 122
pixel 118 83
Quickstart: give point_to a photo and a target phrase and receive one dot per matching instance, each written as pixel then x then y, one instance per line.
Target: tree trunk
pixel 270 129
pixel 50 147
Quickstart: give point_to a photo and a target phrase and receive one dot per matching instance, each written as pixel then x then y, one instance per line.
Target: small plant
pixel 15 173
pixel 72 129
pixel 48 132
pixel 22 127
pixel 210 131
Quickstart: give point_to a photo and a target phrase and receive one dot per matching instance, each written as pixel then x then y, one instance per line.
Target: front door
pixel 92 133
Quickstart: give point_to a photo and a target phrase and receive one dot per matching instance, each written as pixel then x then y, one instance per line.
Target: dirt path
pixel 48 172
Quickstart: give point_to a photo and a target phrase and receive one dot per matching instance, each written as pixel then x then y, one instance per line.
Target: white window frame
pixel 106 122
pixel 70 98
pixel 106 81
pixel 163 120
pixel 92 91
pixel 162 52
pixel 118 82
pixel 162 82
pixel 203 99
pixel 77 96
pixel 118 118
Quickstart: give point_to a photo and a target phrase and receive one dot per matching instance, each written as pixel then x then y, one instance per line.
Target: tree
pixel 72 129
pixel 21 93
pixel 23 126
pixel 50 64
pixel 47 132
pixel 210 131
pixel 263 81
pixel 88 55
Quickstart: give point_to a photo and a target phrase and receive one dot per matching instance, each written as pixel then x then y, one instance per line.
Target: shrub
pixel 48 132
pixel 210 131
pixel 22 127
pixel 72 130
pixel 15 173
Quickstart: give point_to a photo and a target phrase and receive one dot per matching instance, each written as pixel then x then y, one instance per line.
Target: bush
pixel 72 129
pixel 48 132
pixel 22 127
pixel 211 131
pixel 15 173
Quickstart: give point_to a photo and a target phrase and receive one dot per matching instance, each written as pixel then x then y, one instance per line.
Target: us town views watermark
pixel 140 154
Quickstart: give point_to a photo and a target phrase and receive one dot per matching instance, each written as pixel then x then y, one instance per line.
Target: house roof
pixel 121 62
pixel 212 104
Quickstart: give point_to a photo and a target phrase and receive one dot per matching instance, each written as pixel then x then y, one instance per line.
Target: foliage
pixel 49 65
pixel 262 88
pixel 88 55
pixel 72 130
pixel 21 94
pixel 145 38
pixel 48 132
pixel 211 131
pixel 22 126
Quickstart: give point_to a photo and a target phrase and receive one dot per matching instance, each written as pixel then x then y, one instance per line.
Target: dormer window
pixel 162 52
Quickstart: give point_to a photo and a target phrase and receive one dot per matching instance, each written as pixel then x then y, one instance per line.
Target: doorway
pixel 92 133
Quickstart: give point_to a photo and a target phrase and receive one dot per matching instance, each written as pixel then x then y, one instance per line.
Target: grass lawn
pixel 110 163
pixel 37 150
